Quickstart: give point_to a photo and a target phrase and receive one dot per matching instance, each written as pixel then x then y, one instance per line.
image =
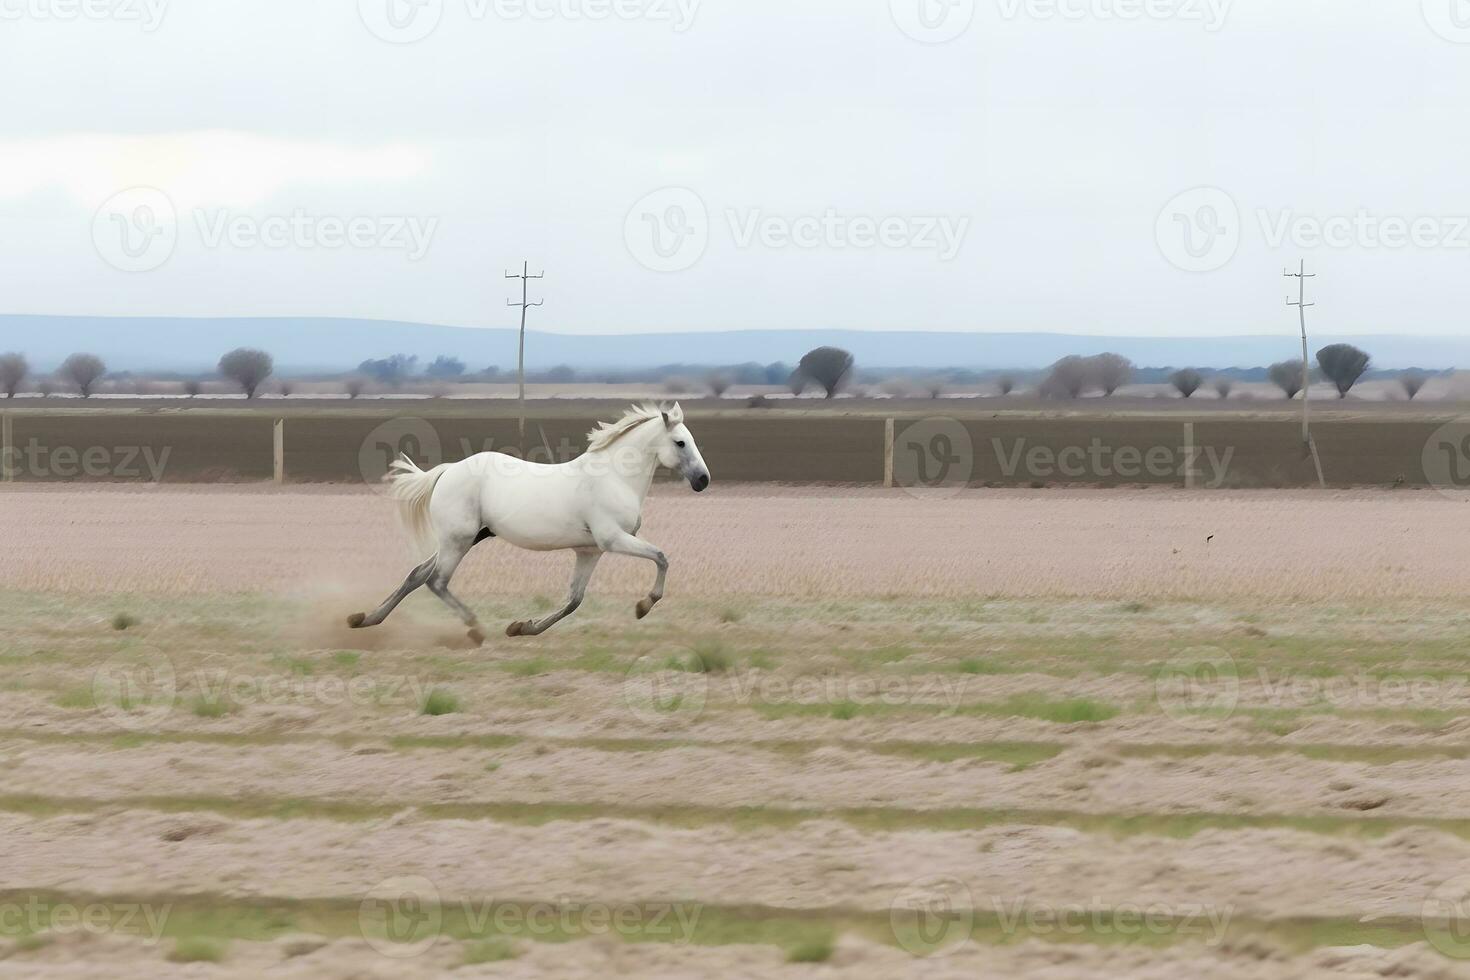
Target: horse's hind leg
pixel 451 553
pixel 587 559
pixel 419 576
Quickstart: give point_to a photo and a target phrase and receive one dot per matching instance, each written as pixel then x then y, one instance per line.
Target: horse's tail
pixel 413 488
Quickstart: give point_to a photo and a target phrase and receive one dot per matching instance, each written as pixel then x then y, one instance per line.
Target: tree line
pixel 826 369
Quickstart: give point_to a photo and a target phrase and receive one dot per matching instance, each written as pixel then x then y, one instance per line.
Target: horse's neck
pixel 636 468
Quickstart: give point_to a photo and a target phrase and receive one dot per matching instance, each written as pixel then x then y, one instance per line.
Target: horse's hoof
pixel 476 637
pixel 516 629
pixel 645 606
pixel 356 620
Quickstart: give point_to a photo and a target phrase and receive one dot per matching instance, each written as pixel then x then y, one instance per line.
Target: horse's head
pixel 677 450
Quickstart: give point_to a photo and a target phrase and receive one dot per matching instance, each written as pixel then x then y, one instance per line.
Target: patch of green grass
pixel 76 697
pixel 709 657
pixel 762 659
pixel 440 702
pixel 975 665
pixel 534 667
pixel 597 659
pixel 1135 607
pixel 487 951
pixel 197 949
pixel 731 615
pixel 845 710
pixel 124 621
pixel 33 941
pixel 346 658
pixel 542 603
pixel 818 949
pixel 210 707
pixel 1067 711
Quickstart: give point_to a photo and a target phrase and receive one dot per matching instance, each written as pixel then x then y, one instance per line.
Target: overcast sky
pixel 1088 166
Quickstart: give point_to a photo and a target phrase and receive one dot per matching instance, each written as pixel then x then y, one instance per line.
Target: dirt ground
pixel 1054 734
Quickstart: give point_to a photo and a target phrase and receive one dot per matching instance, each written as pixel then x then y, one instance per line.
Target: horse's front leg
pixel 587 559
pixel 623 543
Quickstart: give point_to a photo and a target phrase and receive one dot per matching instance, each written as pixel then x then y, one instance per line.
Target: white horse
pixel 591 505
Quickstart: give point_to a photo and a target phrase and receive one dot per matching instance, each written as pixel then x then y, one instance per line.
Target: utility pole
pixel 1309 445
pixel 524 276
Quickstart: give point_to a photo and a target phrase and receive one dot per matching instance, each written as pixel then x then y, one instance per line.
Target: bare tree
pixel 1069 378
pixel 934 386
pixel 719 382
pixel 193 387
pixel 1223 387
pixel 287 388
pixel 13 370
pixel 247 368
pixel 1413 382
pixel 353 386
pixel 1187 381
pixel 45 386
pixel 1343 365
pixel 1005 384
pixel 1287 375
pixel 829 367
pixel 83 370
pixel 1111 371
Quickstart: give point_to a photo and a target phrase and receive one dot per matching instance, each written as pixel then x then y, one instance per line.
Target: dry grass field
pixel 1060 734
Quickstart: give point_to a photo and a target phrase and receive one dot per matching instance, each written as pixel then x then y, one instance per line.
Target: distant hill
pixel 326 344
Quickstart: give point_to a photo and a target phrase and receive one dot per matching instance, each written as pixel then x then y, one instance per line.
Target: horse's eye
pixel 679 443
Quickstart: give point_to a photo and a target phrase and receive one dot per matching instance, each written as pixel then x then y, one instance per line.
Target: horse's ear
pixel 675 415
pixel 667 423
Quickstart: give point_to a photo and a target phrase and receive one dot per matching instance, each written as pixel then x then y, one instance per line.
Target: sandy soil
pixel 1057 597
pixel 762 541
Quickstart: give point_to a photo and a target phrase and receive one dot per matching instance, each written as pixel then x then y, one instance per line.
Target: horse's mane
pixel 608 433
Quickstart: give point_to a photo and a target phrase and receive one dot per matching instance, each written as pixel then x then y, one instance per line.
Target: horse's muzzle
pixel 699 482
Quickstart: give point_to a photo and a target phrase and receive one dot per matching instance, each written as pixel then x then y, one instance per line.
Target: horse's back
pixel 531 505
